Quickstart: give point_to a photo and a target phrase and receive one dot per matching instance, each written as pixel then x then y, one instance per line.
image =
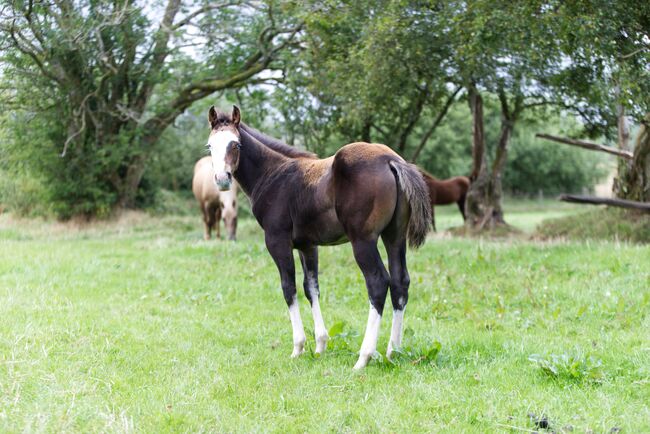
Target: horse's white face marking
pixel 396 331
pixel 299 337
pixel 369 344
pixel 320 332
pixel 218 144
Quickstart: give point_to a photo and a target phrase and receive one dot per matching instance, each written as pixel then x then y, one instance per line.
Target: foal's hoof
pixel 297 352
pixel 321 343
pixel 389 351
pixel 362 362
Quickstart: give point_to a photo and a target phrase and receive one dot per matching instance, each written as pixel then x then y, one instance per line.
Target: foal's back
pixel 446 191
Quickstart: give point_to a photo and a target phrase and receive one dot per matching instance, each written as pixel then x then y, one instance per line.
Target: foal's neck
pixel 256 161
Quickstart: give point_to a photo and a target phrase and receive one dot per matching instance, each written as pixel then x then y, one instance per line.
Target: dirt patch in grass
pixel 602 224
pixel 503 231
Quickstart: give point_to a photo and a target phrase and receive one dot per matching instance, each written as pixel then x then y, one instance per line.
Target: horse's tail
pixel 412 183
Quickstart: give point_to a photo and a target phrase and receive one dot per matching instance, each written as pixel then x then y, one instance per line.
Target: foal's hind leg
pixel 376 276
pixel 399 287
pixel 207 228
pixel 309 260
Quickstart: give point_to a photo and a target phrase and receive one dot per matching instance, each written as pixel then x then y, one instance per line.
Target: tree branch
pixel 436 122
pixel 159 53
pixel 593 200
pixel 202 10
pixel 588 145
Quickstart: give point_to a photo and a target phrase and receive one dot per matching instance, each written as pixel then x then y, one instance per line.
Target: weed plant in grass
pixel 140 325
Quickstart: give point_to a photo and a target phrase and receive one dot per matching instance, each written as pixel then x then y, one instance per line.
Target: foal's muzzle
pixel 223 180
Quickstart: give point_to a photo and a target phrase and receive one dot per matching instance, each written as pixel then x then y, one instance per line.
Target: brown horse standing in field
pixel 214 204
pixel 447 191
pixel 363 192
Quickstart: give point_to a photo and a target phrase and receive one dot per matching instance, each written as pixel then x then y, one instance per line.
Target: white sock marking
pixel 299 337
pixel 396 332
pixel 320 332
pixel 369 344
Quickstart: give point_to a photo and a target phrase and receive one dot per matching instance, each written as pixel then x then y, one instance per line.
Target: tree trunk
pixel 635 182
pixel 624 166
pixel 483 202
pixel 129 186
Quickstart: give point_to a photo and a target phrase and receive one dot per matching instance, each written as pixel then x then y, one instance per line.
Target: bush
pixel 536 165
pixel 613 224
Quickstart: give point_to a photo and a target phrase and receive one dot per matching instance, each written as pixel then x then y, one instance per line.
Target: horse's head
pixel 224 144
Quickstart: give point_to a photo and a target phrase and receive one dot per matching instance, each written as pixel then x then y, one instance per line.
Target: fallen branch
pixel 593 200
pixel 588 145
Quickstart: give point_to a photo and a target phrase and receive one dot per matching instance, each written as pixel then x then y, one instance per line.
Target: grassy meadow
pixel 140 325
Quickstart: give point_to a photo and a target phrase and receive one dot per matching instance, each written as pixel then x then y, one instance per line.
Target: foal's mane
pixel 275 144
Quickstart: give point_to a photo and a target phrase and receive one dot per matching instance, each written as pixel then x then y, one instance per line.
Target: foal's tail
pixel 414 187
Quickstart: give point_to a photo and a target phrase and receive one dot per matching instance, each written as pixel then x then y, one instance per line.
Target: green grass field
pixel 140 325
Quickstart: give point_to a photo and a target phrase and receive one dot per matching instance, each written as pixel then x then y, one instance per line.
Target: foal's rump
pixel 368 180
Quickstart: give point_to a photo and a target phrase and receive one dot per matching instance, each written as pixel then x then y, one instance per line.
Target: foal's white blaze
pixel 299 337
pixel 218 144
pixel 396 332
pixel 369 344
pixel 320 332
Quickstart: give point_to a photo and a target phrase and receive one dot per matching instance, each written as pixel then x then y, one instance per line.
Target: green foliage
pixel 342 338
pixel 100 86
pixel 67 186
pixel 570 367
pixel 415 356
pixel 535 165
pixel 110 78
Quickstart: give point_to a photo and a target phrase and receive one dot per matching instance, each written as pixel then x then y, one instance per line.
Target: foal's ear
pixel 236 115
pixel 212 115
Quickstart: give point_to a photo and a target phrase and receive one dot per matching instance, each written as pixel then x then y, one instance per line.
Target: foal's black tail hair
pixel 412 184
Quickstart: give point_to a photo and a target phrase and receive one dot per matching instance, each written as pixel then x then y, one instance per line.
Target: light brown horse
pixel 214 204
pixel 447 191
pixel 363 192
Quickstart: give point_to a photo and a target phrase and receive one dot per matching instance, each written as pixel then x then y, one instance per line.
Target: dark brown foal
pixel 363 192
pixel 447 191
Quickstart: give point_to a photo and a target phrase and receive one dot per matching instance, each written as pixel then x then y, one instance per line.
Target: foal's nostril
pixel 229 176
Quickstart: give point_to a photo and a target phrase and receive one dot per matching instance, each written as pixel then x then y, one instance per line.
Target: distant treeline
pixel 106 100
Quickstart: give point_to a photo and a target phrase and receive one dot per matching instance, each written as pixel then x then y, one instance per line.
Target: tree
pixel 636 177
pixel 609 78
pixel 374 71
pixel 98 81
pixel 501 48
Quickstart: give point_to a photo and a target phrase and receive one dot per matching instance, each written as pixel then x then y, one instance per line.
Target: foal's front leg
pixel 279 246
pixel 309 260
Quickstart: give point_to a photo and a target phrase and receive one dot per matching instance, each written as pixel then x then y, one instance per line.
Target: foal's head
pixel 224 144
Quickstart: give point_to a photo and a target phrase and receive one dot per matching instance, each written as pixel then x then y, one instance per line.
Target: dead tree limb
pixel 593 200
pixel 588 145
